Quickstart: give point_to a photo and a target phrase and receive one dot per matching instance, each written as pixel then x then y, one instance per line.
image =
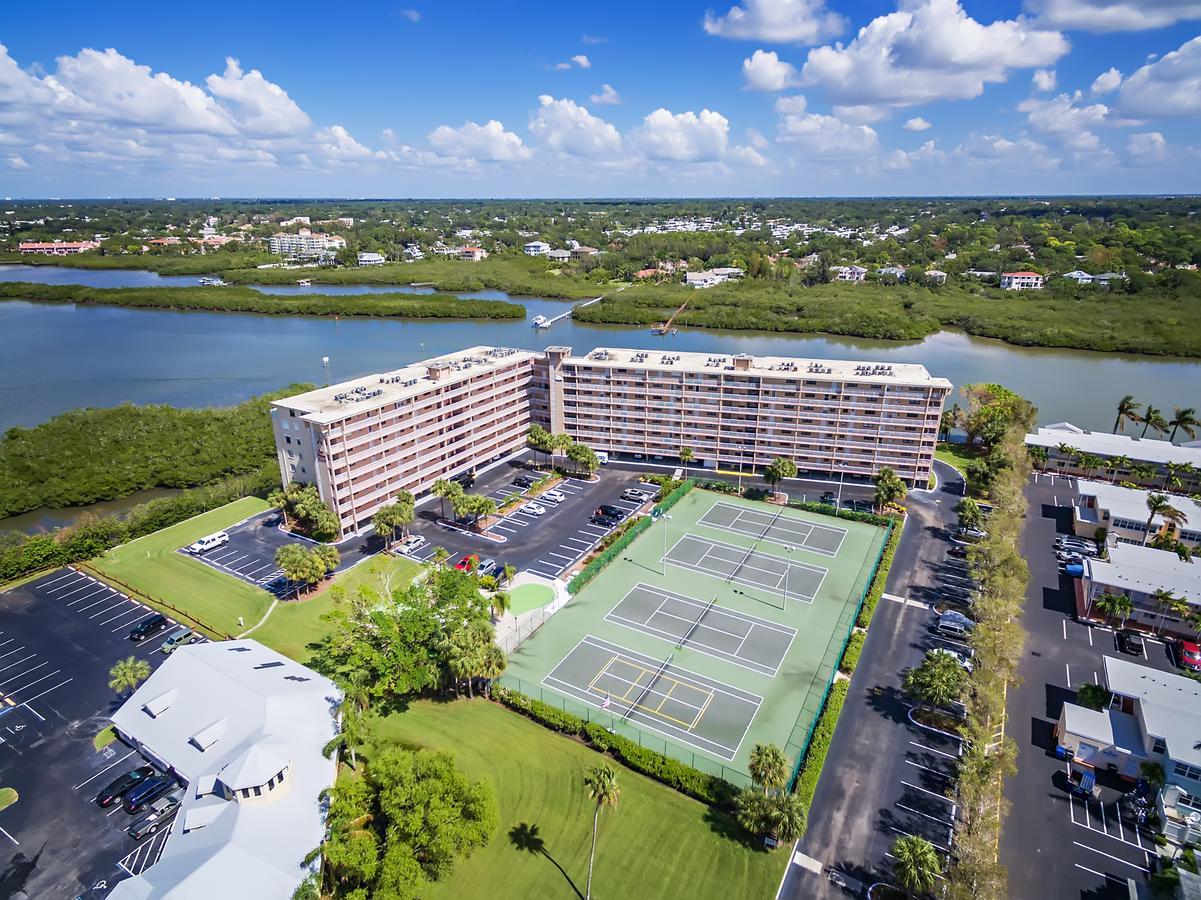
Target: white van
pixel 211 542
pixel 602 457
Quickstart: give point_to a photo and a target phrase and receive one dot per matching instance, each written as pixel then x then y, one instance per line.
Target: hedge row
pixel 819 743
pixel 851 515
pixel 850 656
pixel 877 589
pixel 93 535
pixel 607 555
pixel 675 496
pixel 671 772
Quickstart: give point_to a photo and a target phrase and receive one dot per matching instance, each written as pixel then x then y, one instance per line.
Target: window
pixel 1188 801
pixel 1159 746
pixel 258 791
pixel 287 440
pixel 1184 770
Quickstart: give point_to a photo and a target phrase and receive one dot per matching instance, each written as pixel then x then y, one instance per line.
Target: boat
pixel 541 322
pixel 212 282
pixel 305 282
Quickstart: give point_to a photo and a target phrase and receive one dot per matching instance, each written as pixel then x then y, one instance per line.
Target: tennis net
pixel 646 690
pixel 754 544
pixel 697 622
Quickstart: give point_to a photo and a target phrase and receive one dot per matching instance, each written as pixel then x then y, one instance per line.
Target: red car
pixel 468 563
pixel 1190 656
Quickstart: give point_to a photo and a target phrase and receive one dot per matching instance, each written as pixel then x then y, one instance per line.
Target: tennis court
pixel 726 634
pixel 656 694
pixel 750 567
pixel 775 527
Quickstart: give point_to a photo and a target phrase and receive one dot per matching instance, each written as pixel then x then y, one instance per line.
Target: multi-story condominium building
pixel 1123 513
pixel 1148 462
pixel 1021 281
pixel 305 243
pixel 362 441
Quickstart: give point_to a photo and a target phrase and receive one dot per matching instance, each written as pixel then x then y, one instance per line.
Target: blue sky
pixel 759 97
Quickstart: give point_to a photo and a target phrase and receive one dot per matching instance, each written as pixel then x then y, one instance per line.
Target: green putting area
pixel 528 597
pixel 720 627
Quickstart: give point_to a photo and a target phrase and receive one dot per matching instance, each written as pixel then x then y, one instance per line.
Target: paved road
pixel 884 775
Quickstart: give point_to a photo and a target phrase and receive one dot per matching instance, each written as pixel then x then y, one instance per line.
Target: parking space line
pixel 23 674
pixel 84 609
pixel 66 574
pixel 87 583
pixel 1114 858
pixel 932 843
pixel 85 596
pixel 109 609
pixel 918 812
pixel 140 613
pixel 10 837
pixel 105 769
pixel 32 683
pixel 10 652
pixel 1094 872
pixel 932 750
pixel 931 793
pixel 19 661
pixel 928 769
pixel 43 694
pixel 559 556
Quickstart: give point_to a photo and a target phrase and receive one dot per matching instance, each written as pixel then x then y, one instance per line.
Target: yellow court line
pixel 674 683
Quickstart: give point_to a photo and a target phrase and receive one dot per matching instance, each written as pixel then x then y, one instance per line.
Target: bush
pixel 819 743
pixel 851 515
pixel 850 656
pixel 675 495
pixel 877 589
pixel 543 713
pixel 720 487
pixel 607 555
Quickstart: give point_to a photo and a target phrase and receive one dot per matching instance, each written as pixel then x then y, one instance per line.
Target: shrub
pixel 607 555
pixel 721 487
pixel 850 656
pixel 877 589
pixel 819 743
pixel 675 495
pixel 543 713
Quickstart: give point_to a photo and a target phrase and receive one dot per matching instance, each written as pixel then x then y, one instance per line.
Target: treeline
pixel 86 455
pixel 1154 323
pixel 196 264
pixel 242 299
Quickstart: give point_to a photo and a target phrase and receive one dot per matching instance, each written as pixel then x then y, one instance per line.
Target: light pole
pixel 841 473
pixel 788 549
pixel 663 559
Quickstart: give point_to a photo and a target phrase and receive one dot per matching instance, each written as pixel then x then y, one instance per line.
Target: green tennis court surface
pixel 720 627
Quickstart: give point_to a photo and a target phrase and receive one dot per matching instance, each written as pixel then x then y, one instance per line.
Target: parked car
pixel 209 542
pixel 412 543
pixel 1130 641
pixel 602 457
pixel 633 495
pixel 828 497
pixel 605 521
pixel 159 814
pixel 148 627
pixel 954 624
pixel 974 534
pixel 534 509
pixel 468 563
pixel 553 496
pixel 525 481
pixel 957 551
pixel 488 567
pixel 465 479
pixel 960 658
pixel 1190 655
pixel 179 637
pixel 613 512
pixel 116 788
pixel 139 798
pixel 279 585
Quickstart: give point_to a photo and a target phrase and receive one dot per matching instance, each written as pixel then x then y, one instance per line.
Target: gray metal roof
pixel 1170 705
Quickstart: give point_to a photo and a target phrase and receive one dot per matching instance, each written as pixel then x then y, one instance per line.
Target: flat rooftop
pixel 338 401
pixel 1103 443
pixel 1131 503
pixel 782 366
pixel 1133 567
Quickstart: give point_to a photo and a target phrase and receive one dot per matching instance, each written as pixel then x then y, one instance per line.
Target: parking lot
pixel 545 545
pixel 59 636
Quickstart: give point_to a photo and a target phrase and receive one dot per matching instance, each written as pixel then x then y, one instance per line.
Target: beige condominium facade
pixel 362 441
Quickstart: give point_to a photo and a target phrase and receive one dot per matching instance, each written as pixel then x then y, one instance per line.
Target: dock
pixel 547 323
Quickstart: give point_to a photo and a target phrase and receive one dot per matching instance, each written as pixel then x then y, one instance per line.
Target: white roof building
pixel 537 248
pixel 371 259
pixel 1102 443
pixel 1079 276
pixel 1123 511
pixel 244 727
pixel 1138 572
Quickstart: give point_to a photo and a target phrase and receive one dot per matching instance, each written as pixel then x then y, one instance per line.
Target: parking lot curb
pixel 931 728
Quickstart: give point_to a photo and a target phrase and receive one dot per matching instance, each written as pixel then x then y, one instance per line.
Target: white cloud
pixel 826 137
pixel 607 96
pixel 991 148
pixel 582 61
pixel 411 14
pixel 777 21
pixel 566 127
pixel 1044 79
pixel 926 154
pixel 765 71
pixel 917 123
pixel 860 113
pixel 1068 124
pixel 16 162
pixel 683 137
pixel 562 66
pixel 1107 81
pixel 257 105
pixel 750 156
pixel 928 50
pixel 795 104
pixel 1146 148
pixel 1168 87
pixel 1113 15
pixel 488 142
pixel 594 39
pixel 335 142
pixel 755 138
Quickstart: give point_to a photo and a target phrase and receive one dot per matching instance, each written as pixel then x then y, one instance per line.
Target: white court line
pixel 1111 856
pixel 10 837
pixel 105 769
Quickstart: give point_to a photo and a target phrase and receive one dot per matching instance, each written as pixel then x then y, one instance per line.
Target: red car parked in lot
pixel 1190 656
pixel 468 563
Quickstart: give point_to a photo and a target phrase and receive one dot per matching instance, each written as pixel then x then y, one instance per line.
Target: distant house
pixel 163 242
pixel 57 248
pixel 1079 276
pixel 702 279
pixel 646 273
pixel 472 254
pixel 1021 281
pixel 807 260
pixel 725 272
pixel 849 273
pixel 558 255
pixel 980 273
pixel 1105 278
pixel 936 277
pixel 537 248
pixel 371 259
pixel 897 272
pixel 580 252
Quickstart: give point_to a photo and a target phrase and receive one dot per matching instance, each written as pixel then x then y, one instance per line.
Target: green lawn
pixel 656 843
pixel 151 566
pixel 292 626
pixel 957 456
pixel 529 597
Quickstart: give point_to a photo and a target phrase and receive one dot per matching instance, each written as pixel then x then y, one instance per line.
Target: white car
pixel 534 509
pixel 412 543
pixel 209 542
pixel 961 658
pixel 554 496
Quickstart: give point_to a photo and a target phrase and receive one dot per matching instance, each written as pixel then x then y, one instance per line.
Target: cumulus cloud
pixel 993 149
pixel 765 71
pixel 1113 15
pixel 796 104
pixel 338 143
pixel 777 21
pixel 607 96
pixel 755 138
pixel 750 156
pixel 827 137
pixel 1169 87
pixel 901 160
pixel 860 113
pixel 257 105
pixel 928 50
pixel 1107 81
pixel 1146 148
pixel 488 142
pixel 582 61
pixel 1068 124
pixel 683 137
pixel 1044 79
pixel 917 123
pixel 566 127
pixel 411 14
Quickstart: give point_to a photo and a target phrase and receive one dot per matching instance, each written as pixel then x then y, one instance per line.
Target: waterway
pixel 58 357
pixel 48 519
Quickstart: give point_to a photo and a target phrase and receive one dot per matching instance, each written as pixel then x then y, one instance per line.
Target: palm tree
pixel 1142 472
pixel 1039 455
pixel 492 665
pixel 127 674
pixel 444 490
pixel 768 767
pixel 602 787
pixel 915 863
pixel 1115 606
pixel 1128 411
pixel 948 421
pixel 1185 419
pixel 1088 462
pixel 501 603
pixel 507 572
pixel 1153 418
pixel 1160 505
pixel 779 469
pixel 889 487
pixel 1164 601
pixel 279 499
pixel 439 556
pixel 786 817
pixel 686 456
pixel 1117 463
